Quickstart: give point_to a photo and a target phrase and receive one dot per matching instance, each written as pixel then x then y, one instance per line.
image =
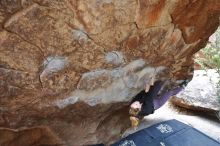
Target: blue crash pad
pixel 168 133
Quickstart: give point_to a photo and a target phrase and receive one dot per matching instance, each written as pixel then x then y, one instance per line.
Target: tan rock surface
pixel 74 65
pixel 31 136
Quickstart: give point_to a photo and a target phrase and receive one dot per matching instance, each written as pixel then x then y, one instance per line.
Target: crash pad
pixel 168 133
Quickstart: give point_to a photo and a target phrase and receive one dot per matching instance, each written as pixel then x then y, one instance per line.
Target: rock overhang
pixel 63 62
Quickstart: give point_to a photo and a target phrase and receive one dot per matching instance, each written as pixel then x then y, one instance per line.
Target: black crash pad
pixel 168 133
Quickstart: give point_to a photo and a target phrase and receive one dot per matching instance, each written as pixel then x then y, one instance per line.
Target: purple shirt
pixel 161 100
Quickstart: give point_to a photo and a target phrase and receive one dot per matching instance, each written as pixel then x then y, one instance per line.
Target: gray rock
pixel 200 93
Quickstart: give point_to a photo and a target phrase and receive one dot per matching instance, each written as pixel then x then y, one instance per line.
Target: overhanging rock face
pixel 72 66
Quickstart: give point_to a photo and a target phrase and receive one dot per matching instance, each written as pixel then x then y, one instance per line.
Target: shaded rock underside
pixel 72 66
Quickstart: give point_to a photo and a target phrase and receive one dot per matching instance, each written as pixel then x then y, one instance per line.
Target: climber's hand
pixel 134 122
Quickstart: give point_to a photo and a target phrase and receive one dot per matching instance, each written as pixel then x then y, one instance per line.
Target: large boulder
pixel 202 93
pixel 73 66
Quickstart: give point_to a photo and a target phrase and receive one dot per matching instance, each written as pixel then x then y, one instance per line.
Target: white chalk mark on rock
pixel 54 64
pixel 65 102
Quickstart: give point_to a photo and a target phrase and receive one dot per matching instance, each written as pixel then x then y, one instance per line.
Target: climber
pixel 146 103
pixel 143 104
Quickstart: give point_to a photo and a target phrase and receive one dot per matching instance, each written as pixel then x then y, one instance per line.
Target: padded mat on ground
pixel 168 133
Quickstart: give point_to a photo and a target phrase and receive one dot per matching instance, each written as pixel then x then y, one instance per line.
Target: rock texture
pixel 201 93
pixel 74 65
pixel 36 136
